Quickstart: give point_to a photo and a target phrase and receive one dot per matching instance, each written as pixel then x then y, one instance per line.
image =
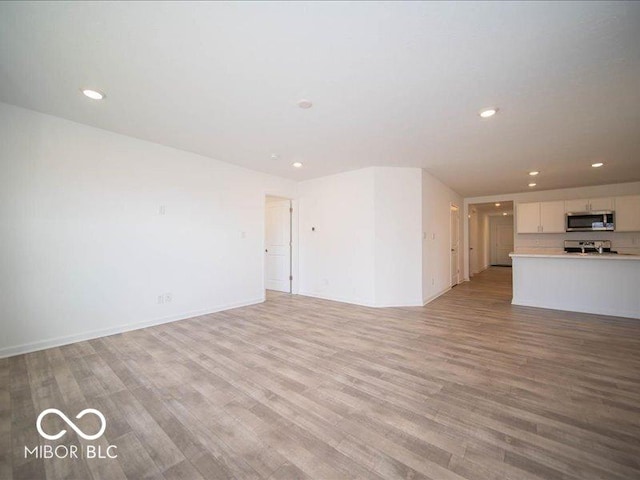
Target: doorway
pixel 278 244
pixel 491 235
pixel 455 243
pixel 501 240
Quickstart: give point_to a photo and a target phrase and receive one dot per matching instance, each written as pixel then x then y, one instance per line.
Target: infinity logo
pixel 71 424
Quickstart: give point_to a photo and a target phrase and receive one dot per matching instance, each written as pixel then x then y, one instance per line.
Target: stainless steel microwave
pixel 590 221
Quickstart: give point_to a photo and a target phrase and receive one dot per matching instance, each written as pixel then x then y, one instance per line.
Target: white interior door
pixel 277 261
pixel 501 240
pixel 455 241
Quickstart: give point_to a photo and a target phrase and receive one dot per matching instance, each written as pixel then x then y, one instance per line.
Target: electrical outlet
pixel 433 236
pixel 433 281
pixel 168 297
pixel 160 299
pixel 162 210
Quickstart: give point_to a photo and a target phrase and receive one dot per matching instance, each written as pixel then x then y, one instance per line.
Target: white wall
pixel 366 247
pixel 84 251
pixel 336 261
pixel 398 236
pixel 623 242
pixel 436 246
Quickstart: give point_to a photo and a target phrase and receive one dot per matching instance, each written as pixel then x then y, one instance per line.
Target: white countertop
pixel 587 256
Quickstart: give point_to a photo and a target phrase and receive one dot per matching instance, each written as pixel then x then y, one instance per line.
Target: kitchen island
pixel 606 284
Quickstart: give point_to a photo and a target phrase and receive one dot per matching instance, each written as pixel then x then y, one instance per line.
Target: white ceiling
pixel 392 83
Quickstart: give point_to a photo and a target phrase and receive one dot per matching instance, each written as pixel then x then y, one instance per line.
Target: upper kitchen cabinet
pixel 528 218
pixel 588 205
pixel 540 217
pixel 628 213
pixel 552 217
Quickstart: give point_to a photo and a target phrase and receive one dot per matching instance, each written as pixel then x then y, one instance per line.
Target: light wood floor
pixel 468 387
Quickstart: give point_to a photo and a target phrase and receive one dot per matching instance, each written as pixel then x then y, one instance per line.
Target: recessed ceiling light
pixel 274 156
pixel 597 165
pixel 304 103
pixel 296 164
pixel 534 173
pixel 93 94
pixel 488 112
pixel 532 184
pixel 497 204
pixel 504 214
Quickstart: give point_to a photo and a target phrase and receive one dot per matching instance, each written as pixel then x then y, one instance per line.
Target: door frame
pixel 454 208
pixel 293 218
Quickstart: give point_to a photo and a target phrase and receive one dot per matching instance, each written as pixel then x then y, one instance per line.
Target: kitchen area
pixel 579 255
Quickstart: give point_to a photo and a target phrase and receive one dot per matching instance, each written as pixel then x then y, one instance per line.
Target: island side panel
pixel 602 286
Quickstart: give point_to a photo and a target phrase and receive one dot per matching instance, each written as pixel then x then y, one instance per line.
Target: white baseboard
pixel 433 297
pixel 358 302
pixel 105 332
pixel 482 269
pixel 565 308
pixel 398 305
pixel 336 299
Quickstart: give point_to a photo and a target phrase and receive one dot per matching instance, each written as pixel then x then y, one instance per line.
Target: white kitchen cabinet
pixel 552 217
pixel 628 213
pixel 540 217
pixel 528 220
pixel 600 204
pixel 588 204
pixel 580 205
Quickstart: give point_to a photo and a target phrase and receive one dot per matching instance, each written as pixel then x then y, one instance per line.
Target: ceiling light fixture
pixel 534 173
pixel 532 184
pixel 497 204
pixel 296 164
pixel 274 156
pixel 488 112
pixel 597 165
pixel 304 103
pixel 504 214
pixel 93 94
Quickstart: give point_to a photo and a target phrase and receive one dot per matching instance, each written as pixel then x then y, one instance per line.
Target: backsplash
pixel 554 242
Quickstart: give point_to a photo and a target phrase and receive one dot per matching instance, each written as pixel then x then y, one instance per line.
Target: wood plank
pixel 467 387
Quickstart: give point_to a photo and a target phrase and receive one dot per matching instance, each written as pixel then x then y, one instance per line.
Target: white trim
pixel 59 341
pixel 397 305
pixel 482 269
pixel 433 297
pixel 413 304
pixel 359 303
pixel 453 207
pixel 596 311
pixel 337 299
